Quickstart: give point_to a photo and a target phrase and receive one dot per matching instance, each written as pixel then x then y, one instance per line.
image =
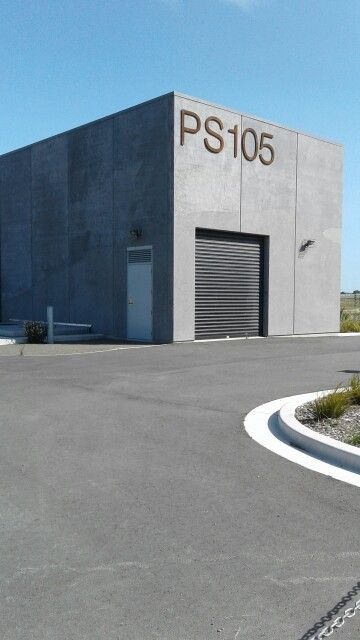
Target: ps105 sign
pixel 260 148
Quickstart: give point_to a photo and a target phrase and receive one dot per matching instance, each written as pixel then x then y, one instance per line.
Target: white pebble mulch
pixel 339 428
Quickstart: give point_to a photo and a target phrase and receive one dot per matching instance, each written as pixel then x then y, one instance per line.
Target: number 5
pixel 265 145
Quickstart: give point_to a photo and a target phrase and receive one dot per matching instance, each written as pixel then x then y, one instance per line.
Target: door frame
pixel 140 248
pixel 264 242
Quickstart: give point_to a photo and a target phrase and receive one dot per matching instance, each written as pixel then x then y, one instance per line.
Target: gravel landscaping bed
pixel 342 428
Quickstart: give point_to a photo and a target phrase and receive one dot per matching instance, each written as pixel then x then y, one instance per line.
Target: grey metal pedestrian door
pixel 139 293
pixel 228 284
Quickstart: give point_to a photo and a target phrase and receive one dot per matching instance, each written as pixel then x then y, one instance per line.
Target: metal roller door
pixel 228 284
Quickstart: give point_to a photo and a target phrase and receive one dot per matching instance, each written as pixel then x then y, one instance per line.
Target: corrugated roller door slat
pixel 228 284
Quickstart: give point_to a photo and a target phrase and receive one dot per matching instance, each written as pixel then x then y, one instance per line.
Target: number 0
pixel 243 149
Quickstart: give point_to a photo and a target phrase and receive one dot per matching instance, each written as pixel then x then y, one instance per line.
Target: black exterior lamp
pixel 306 244
pixel 136 233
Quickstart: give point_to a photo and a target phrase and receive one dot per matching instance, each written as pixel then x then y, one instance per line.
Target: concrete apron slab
pixel 19 346
pixel 71 349
pixel 273 425
pixel 293 335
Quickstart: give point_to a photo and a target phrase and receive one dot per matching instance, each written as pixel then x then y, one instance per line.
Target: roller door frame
pixel 264 242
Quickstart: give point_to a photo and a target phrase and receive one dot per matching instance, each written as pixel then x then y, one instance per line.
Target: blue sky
pixel 295 62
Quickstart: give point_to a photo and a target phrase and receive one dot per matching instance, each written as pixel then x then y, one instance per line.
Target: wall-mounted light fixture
pixel 136 233
pixel 306 244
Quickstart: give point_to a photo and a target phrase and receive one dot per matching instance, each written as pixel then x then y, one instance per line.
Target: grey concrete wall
pixel 67 206
pixel 15 216
pixel 268 200
pixel 317 271
pixel 143 197
pixel 207 190
pixel 91 215
pixel 296 197
pixel 49 228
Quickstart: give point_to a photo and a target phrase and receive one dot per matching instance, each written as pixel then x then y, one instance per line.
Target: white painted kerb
pixel 262 425
pixel 317 444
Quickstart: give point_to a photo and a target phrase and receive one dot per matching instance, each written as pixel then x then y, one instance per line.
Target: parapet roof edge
pixel 165 95
pixel 86 124
pixel 257 118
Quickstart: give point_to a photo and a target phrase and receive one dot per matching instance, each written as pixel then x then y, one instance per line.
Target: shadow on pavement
pixel 349 371
pixel 328 617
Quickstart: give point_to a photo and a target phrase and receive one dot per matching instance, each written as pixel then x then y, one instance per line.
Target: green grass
pixel 350 303
pixel 333 405
pixel 354 440
pixel 349 326
pixel 348 321
pixel 350 314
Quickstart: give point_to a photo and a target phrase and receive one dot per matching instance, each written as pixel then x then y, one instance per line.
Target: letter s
pixel 214 134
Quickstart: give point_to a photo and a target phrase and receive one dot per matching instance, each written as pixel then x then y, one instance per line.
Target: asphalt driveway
pixel 135 506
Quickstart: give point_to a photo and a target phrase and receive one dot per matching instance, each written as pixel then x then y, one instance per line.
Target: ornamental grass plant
pixel 348 324
pixel 354 389
pixel 354 440
pixel 332 405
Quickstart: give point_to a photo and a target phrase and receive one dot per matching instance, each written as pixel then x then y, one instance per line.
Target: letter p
pixel 184 129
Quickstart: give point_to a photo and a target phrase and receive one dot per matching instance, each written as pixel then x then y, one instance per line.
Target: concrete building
pixel 173 220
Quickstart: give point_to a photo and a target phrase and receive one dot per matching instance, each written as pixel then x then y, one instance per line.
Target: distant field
pixel 351 304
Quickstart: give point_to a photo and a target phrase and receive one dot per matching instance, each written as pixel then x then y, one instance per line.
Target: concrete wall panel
pixel 268 199
pixel 50 246
pixel 15 211
pixel 222 192
pixel 90 152
pixel 143 161
pixel 206 194
pixel 317 270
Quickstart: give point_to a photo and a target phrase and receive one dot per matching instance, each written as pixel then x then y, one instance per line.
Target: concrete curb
pixel 316 444
pixel 263 426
